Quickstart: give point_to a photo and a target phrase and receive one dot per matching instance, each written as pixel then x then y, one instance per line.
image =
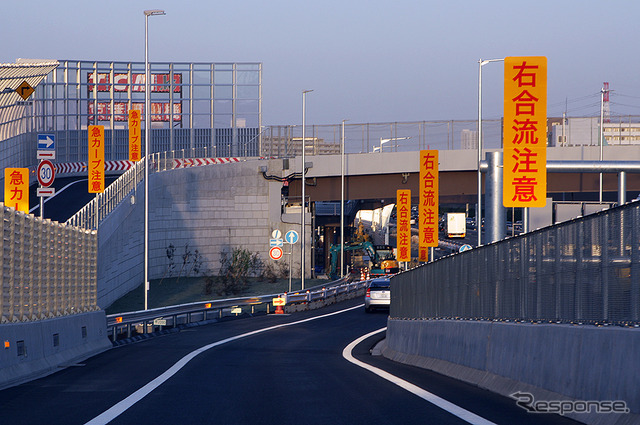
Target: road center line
pixel 117 409
pixel 455 410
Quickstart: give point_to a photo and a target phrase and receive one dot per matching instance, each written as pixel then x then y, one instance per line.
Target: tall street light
pixel 147 132
pixel 342 203
pixel 302 213
pixel 481 63
pixel 602 92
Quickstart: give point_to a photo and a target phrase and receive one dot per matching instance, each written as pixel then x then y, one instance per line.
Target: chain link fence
pixel 286 141
pixel 583 271
pixel 48 269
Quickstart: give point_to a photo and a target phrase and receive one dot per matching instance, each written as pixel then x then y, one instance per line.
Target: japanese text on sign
pixel 16 188
pixel 135 145
pixel 525 129
pixel 403 217
pixel 96 159
pixel 429 202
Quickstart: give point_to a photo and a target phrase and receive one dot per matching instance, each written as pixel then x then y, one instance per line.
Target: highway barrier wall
pixel 34 349
pixel 48 312
pixel 550 361
pixel 555 312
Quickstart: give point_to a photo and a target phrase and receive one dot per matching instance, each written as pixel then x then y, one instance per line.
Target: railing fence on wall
pixel 286 140
pixel 97 209
pixel 49 269
pixel 583 271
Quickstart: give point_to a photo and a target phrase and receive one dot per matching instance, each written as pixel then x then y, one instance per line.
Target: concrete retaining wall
pixel 210 209
pixel 40 356
pixel 551 361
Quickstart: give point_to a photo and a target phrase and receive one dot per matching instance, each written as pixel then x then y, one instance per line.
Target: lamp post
pixel 481 63
pixel 302 213
pixel 602 91
pixel 342 203
pixel 147 132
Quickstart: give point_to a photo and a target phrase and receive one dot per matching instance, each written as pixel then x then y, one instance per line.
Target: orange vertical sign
pixel 135 145
pixel 96 159
pixel 525 132
pixel 16 188
pixel 428 208
pixel 403 220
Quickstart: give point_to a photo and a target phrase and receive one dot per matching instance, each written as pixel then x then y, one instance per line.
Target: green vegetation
pixel 241 274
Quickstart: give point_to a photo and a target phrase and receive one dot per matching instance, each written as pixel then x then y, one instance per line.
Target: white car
pixel 378 294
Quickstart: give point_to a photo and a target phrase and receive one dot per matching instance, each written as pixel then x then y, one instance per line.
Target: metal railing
pixel 49 269
pixel 286 140
pixel 583 271
pixel 125 325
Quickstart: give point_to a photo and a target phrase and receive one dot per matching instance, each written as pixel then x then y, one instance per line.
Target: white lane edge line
pixel 117 409
pixel 454 409
pixel 57 193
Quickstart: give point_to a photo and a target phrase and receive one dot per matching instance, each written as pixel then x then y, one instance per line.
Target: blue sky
pixel 367 61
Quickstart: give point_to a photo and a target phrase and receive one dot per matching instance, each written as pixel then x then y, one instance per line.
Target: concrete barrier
pixel 550 361
pixel 30 350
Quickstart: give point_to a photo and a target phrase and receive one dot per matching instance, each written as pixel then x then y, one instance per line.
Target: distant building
pixel 586 132
pixel 469 139
pixel 292 146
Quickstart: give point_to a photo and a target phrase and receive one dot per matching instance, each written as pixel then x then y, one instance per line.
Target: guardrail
pixel 126 325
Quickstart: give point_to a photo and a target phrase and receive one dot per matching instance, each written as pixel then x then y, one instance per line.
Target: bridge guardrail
pixel 147 321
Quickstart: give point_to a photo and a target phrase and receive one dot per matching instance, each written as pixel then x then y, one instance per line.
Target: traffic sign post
pixel 291 237
pixel 46 146
pixel 46 175
pixel 25 90
pixel 275 253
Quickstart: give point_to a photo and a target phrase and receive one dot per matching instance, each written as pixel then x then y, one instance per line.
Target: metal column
pixel 495 212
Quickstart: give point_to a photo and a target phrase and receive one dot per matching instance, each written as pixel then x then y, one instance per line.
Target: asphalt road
pixel 71 195
pixel 288 375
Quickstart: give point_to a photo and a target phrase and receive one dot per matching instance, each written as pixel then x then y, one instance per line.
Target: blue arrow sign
pixel 465 247
pixel 275 242
pixel 291 237
pixel 46 142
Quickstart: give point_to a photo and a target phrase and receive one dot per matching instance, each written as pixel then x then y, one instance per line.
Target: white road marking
pixel 455 410
pixel 116 410
pixel 57 193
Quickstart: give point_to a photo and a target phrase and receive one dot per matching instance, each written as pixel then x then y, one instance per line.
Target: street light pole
pixel 481 63
pixel 147 132
pixel 601 135
pixel 302 213
pixel 342 203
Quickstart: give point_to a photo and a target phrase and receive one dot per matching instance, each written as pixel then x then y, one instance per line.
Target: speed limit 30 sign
pixel 275 253
pixel 46 173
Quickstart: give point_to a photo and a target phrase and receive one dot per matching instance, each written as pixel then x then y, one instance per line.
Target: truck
pixel 364 259
pixel 456 225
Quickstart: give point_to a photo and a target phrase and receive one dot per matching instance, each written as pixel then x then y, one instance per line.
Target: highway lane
pixel 71 195
pixel 288 375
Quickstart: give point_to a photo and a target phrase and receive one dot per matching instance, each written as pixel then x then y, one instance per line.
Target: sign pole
pixel 290 255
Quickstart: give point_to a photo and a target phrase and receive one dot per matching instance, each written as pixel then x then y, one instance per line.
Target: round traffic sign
pixel 291 237
pixel 46 173
pixel 465 247
pixel 275 253
pixel 276 234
